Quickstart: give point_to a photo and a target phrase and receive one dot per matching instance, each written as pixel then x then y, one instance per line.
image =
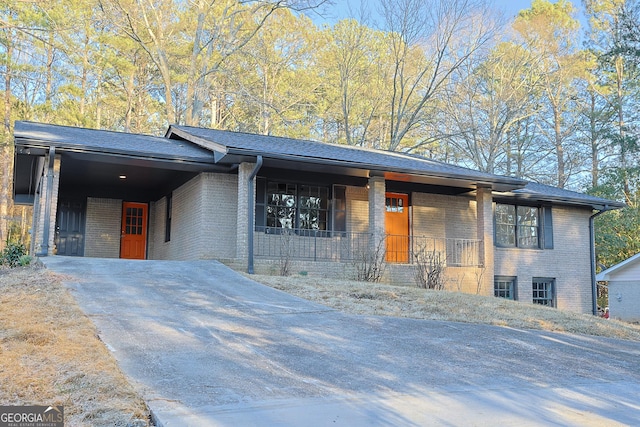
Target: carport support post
pixel 50 189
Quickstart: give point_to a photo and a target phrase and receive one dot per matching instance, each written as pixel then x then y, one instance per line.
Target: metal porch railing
pixel 340 246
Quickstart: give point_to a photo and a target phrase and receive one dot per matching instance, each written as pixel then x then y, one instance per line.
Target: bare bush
pixel 286 250
pixel 370 264
pixel 430 265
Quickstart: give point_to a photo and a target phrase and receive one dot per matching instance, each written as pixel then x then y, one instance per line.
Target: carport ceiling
pixel 131 180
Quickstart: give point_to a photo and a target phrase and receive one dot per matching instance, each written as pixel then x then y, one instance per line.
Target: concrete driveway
pixel 207 347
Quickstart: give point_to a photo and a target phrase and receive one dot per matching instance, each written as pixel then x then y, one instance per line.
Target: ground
pixel 413 302
pixel 50 353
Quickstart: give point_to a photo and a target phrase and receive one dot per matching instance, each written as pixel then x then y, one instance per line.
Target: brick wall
pixel 568 263
pixel 203 223
pixel 357 210
pixel 102 235
pixel 441 216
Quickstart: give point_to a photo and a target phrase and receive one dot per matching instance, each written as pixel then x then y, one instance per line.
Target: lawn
pixel 411 301
pixel 50 354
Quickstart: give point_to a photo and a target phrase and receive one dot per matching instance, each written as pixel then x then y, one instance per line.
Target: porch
pixel 327 246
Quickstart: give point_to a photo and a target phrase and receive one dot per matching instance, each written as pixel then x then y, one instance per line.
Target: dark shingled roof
pixel 102 141
pixel 541 192
pixel 201 142
pixel 319 152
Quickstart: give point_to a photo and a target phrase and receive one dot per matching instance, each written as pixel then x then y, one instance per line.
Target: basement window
pixel 505 287
pixel 544 291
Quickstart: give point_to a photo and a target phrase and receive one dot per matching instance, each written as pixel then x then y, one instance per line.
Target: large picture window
pixel 292 206
pixel 521 226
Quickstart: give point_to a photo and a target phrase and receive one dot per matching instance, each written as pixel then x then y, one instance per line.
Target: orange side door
pixel 397 227
pixel 133 241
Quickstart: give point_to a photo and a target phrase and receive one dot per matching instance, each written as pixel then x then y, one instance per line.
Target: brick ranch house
pixel 254 201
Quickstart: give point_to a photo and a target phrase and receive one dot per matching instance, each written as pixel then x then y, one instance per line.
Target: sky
pixel 350 8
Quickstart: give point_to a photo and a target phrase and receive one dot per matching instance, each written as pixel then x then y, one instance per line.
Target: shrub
pixel 14 255
pixel 430 267
pixel 25 260
pixel 369 264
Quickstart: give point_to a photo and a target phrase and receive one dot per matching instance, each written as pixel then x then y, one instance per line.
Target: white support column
pixel 484 205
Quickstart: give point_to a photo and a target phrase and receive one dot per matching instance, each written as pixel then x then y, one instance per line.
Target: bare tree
pixel 429 41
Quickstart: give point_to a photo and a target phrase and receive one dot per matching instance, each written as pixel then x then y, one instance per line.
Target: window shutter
pixel 339 208
pixel 548 227
pixel 261 195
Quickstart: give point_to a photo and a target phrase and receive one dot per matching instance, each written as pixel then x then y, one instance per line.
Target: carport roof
pixel 74 139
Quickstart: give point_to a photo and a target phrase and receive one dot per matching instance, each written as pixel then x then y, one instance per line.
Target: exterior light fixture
pixel 123 177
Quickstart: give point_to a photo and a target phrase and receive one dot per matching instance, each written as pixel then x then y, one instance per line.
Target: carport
pixel 57 171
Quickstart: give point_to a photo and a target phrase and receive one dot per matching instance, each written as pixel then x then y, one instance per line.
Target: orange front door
pixel 133 242
pixel 397 227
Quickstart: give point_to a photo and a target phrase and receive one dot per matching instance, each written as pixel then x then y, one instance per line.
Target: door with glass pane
pixel 133 241
pixel 397 227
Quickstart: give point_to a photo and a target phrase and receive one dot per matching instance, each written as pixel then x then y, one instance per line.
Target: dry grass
pixel 406 301
pixel 50 354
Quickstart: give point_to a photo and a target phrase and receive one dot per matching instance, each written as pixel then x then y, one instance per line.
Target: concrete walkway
pixel 207 347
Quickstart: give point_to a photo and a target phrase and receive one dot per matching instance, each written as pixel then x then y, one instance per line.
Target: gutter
pixel 592 244
pixel 44 249
pixel 252 211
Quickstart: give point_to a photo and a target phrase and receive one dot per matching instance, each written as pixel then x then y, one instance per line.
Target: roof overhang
pixel 592 203
pixel 607 274
pixel 303 163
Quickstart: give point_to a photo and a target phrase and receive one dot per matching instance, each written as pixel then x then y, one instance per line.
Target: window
pixel 296 206
pixel 520 226
pixel 313 207
pixel 544 291
pixel 394 204
pixel 167 224
pixel 504 287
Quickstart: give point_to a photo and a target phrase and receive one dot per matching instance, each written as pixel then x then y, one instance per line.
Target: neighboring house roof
pixel 611 272
pixel 40 135
pixel 231 144
pixel 541 192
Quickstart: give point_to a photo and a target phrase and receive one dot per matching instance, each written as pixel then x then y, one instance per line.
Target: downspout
pixel 44 249
pixel 252 211
pixel 592 247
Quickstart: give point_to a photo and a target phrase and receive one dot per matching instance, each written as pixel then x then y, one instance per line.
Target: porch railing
pixel 319 245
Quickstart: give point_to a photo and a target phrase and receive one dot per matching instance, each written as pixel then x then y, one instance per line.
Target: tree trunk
pixel 562 178
pixel 593 135
pixel 5 146
pixel 621 128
